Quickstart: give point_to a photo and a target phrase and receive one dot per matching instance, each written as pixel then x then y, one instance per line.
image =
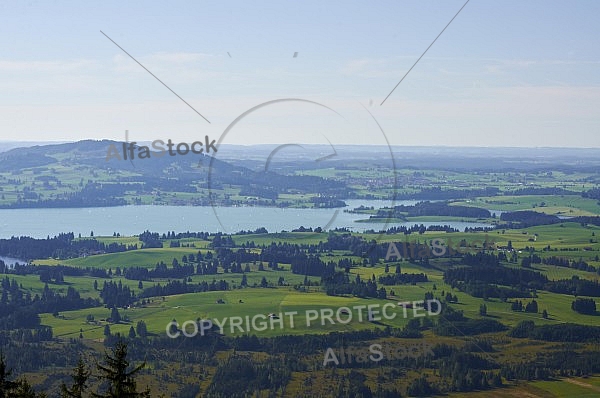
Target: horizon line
pixel 58 142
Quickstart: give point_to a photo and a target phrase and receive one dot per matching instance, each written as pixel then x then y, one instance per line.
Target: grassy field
pixel 561 388
pixel 282 237
pixel 237 303
pixel 284 298
pixel 147 258
pixel 560 205
pixel 281 299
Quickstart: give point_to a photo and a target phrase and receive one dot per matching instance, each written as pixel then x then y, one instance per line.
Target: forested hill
pixel 85 173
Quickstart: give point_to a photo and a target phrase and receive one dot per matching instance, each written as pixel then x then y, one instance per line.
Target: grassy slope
pixel 558 306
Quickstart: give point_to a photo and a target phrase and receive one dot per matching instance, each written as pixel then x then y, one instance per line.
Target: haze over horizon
pixel 29 143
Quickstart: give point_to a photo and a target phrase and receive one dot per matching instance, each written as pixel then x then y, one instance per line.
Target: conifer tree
pixel 121 380
pixel 14 389
pixel 80 376
pixel 7 387
pixel 24 390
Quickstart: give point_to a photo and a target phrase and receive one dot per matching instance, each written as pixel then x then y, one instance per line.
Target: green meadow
pixel 237 303
pixel 561 205
pixel 147 258
pixel 280 298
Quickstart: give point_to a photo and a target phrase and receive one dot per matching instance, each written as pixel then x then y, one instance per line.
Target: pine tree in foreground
pixel 121 381
pixel 14 389
pixel 7 387
pixel 24 390
pixel 80 376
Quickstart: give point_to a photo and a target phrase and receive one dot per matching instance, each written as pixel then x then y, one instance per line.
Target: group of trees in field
pixel 154 239
pixel 453 323
pixel 575 286
pixel 518 305
pixel 540 191
pixel 495 281
pixel 402 278
pixel 437 193
pixel 593 193
pixel 116 294
pixel 432 209
pixel 506 282
pixel 420 229
pixel 558 261
pixel 340 284
pixel 183 287
pixel 91 195
pixel 311 265
pixel 564 332
pixel 527 218
pixel 19 309
pixel 584 306
pixel 63 246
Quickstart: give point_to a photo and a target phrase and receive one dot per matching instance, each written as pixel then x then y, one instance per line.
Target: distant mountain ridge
pixel 43 175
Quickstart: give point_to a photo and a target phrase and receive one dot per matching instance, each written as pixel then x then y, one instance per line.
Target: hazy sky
pixel 504 73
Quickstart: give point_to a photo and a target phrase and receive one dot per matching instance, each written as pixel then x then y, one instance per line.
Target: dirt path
pixel 523 394
pixel 582 384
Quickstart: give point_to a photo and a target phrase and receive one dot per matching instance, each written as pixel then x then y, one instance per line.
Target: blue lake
pixel 131 220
